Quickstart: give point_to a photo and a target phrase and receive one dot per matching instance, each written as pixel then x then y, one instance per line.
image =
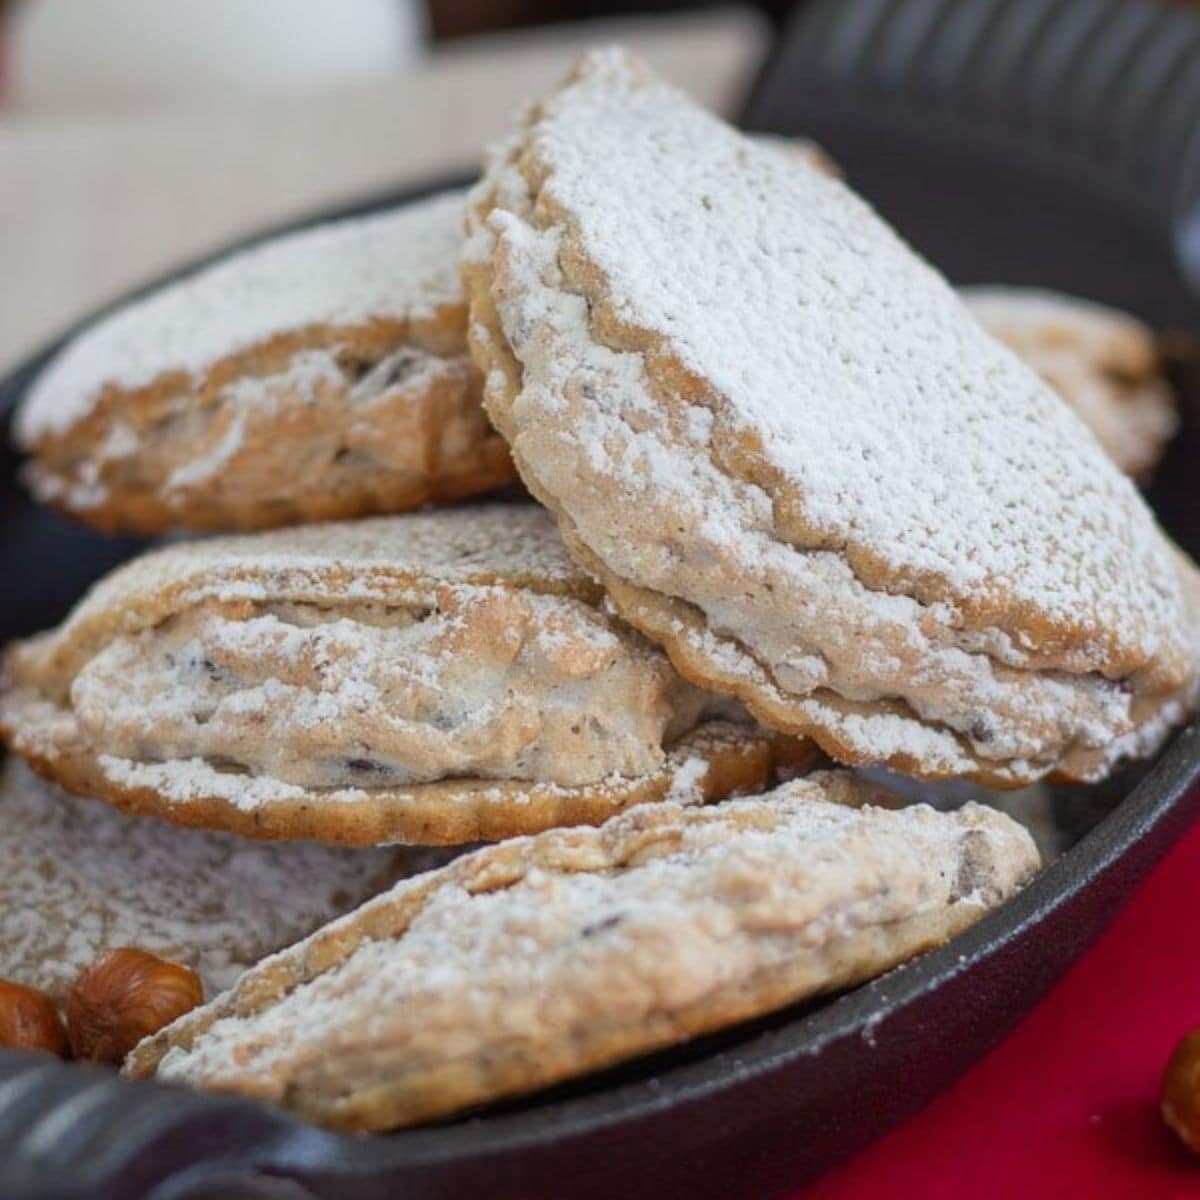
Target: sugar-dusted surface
pixel 546 957
pixel 396 265
pixel 440 678
pixel 369 561
pixel 77 877
pixel 713 760
pixel 793 457
pixel 490 683
pixel 848 363
pixel 1105 363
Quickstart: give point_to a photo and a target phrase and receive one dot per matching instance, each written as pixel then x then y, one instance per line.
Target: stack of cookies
pixel 794 513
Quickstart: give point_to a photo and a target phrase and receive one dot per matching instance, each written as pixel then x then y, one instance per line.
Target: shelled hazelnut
pixel 1181 1092
pixel 124 996
pixel 29 1020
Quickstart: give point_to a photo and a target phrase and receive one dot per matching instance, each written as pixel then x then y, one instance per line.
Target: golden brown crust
pixel 663 924
pixel 814 632
pixel 449 621
pixel 736 759
pixel 290 432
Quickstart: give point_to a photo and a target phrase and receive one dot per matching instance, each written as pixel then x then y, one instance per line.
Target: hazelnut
pixel 124 996
pixel 1181 1092
pixel 29 1020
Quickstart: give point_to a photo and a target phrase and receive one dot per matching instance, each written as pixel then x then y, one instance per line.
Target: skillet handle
pixel 1107 91
pixel 77 1133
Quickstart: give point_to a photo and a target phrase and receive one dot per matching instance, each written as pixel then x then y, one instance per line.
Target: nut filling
pixel 325 419
pixel 319 375
pixel 830 495
pixel 437 678
pixel 487 683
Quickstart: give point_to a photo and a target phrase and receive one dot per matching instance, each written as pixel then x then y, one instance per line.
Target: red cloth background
pixel 1067 1105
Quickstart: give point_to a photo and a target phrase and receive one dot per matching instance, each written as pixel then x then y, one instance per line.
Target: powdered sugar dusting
pixel 489 684
pixel 181 780
pixel 952 458
pixel 209 465
pixel 375 560
pixel 77 877
pixel 688 780
pixel 655 913
pixel 1103 362
pixel 409 677
pixel 884 510
pixel 399 264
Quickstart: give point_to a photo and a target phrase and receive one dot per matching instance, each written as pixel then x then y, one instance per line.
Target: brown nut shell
pixel 124 996
pixel 29 1020
pixel 1181 1092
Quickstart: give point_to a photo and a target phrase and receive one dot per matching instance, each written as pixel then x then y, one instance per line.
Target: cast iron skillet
pixel 1033 141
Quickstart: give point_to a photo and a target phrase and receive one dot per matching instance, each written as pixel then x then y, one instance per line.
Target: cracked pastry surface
pixel 439 677
pixel 1105 363
pixel 795 461
pixel 321 374
pixel 542 958
pixel 77 877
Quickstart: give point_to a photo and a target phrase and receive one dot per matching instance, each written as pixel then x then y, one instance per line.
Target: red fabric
pixel 1067 1105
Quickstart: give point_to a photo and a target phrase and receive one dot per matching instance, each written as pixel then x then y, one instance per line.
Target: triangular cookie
pixel 795 460
pixel 542 958
pixel 442 677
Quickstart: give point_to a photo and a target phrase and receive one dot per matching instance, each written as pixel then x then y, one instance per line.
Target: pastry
pixel 319 375
pixel 793 459
pixel 543 958
pixel 76 878
pixel 438 677
pixel 1103 362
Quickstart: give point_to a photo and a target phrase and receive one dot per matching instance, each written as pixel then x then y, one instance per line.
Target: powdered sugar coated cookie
pixel 794 459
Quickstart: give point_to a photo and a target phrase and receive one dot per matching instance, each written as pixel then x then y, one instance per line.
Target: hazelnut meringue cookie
pixel 317 375
pixel 1103 362
pixel 527 963
pixel 440 677
pixel 795 460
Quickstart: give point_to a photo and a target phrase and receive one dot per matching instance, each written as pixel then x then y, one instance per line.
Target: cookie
pixel 439 677
pixel 794 460
pixel 1103 362
pixel 544 958
pixel 319 375
pixel 76 878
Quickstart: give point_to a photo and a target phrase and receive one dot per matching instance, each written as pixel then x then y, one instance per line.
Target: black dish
pixel 1045 141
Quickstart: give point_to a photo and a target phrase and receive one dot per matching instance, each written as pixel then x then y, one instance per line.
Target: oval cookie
pixel 440 678
pixel 530 962
pixel 318 375
pixel 792 457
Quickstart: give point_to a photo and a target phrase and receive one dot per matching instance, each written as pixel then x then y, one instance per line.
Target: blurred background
pixel 135 134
